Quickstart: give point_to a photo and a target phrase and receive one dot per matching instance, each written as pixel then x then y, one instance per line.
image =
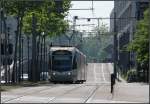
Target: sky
pixel 101 9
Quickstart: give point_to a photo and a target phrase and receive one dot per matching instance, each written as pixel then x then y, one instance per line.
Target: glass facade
pixel 127 13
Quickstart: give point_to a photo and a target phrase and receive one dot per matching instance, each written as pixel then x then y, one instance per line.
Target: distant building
pixel 11 27
pixel 8 33
pixel 126 28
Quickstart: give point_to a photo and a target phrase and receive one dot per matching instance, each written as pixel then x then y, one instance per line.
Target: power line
pixel 82 9
pixel 104 0
pixel 108 18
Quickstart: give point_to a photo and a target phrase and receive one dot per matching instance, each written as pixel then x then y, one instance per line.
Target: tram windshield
pixel 61 62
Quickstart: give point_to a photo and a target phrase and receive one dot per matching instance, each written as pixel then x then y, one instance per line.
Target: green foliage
pixel 140 44
pixel 131 75
pixel 50 17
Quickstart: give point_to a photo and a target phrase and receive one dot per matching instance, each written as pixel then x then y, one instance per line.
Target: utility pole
pixel 41 59
pixel 115 45
pixel 22 57
pixel 28 57
pixel 74 23
pixel 44 58
pixel 1 12
pixel 98 28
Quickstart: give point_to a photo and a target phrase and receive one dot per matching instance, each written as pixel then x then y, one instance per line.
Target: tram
pixel 67 64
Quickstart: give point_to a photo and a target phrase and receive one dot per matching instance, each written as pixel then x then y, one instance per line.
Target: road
pixel 95 90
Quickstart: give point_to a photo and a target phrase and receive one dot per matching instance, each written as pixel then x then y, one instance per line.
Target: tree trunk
pixel 44 57
pixel 33 75
pixel 22 58
pixel 5 52
pixel 15 74
pixel 28 59
pixel 41 59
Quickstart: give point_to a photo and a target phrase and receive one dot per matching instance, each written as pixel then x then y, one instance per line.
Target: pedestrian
pixel 112 82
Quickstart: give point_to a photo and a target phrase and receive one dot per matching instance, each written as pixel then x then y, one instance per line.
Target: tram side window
pixel 49 61
pixel 74 63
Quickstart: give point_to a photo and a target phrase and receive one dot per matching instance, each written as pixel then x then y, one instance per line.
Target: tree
pixel 49 19
pixel 140 43
pixel 48 13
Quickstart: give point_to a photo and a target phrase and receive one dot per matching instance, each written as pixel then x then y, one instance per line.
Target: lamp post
pixel 115 44
pixel 41 58
pixel 28 38
pixel 43 35
pixel 22 38
pixel 38 55
pixel 74 23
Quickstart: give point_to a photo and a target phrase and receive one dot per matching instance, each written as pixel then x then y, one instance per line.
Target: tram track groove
pixel 54 98
pixel 29 94
pixel 89 98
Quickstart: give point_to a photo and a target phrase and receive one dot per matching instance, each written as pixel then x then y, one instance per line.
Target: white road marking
pixel 92 97
pixel 94 74
pixel 93 94
pixel 103 74
pixel 110 101
pixel 110 67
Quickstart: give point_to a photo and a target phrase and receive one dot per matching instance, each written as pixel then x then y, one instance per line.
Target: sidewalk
pixel 121 80
pixel 131 92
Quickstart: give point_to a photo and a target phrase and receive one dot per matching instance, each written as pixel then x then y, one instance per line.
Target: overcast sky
pixel 101 9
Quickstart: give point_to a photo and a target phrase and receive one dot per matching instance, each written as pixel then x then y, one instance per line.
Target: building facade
pixel 127 15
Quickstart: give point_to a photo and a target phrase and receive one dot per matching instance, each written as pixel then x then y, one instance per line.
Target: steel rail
pixel 53 86
pixel 66 93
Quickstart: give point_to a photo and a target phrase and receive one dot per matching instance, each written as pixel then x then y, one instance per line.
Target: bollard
pixel 112 82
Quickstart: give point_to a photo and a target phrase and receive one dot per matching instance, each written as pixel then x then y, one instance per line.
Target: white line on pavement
pixel 92 97
pixel 103 74
pixel 94 74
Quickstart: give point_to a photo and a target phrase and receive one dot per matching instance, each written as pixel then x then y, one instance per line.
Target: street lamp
pixel 22 38
pixel 43 35
pixel 28 39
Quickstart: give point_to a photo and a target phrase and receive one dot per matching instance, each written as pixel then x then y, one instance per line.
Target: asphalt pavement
pixel 95 90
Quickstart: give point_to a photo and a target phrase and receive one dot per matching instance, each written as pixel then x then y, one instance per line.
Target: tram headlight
pixel 69 73
pixel 54 73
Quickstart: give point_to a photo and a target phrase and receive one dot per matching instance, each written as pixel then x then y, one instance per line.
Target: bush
pixel 131 75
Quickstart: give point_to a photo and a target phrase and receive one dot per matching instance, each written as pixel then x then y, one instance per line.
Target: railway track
pixel 53 86
pixel 90 96
pixel 65 93
pixel 91 91
pixel 87 97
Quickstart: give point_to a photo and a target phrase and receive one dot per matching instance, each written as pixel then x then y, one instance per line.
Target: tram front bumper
pixel 61 76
